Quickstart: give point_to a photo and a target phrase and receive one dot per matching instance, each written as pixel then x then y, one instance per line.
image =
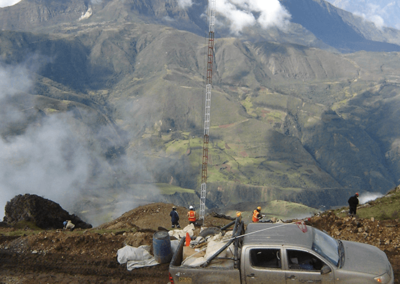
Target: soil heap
pixel 89 255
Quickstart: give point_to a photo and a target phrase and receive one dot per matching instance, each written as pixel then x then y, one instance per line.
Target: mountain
pixel 383 13
pixel 313 22
pixel 110 104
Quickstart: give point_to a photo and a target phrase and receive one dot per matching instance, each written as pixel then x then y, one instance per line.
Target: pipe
pixel 223 248
pixel 227 226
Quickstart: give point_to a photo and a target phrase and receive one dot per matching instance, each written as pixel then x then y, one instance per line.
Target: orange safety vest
pixel 255 216
pixel 192 216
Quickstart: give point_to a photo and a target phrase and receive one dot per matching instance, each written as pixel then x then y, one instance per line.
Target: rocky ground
pixel 383 234
pixel 89 255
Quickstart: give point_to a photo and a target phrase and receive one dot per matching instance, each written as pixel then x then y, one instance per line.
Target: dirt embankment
pixel 382 234
pixel 89 256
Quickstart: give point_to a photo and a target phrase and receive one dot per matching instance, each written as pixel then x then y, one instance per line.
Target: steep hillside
pixel 124 92
pixel 313 22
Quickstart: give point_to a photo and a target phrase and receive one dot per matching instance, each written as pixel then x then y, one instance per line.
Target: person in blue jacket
pixel 174 218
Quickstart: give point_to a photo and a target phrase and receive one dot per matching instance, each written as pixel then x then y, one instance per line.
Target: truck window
pixel 301 260
pixel 265 258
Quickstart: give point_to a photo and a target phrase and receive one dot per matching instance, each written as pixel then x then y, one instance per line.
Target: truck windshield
pixel 326 246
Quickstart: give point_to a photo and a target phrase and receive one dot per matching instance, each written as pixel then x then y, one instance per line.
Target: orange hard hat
pixel 357 193
pixel 258 208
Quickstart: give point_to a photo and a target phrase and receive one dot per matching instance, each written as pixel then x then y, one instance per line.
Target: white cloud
pixel 243 13
pixel 47 159
pixel 369 196
pixel 185 3
pixel 6 3
pixel 380 12
pixel 377 20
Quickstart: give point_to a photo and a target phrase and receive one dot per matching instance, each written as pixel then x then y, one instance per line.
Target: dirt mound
pixel 383 234
pixel 44 213
pixel 88 256
pixel 156 215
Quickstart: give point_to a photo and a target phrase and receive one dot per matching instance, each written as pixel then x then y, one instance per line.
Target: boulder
pixel 44 213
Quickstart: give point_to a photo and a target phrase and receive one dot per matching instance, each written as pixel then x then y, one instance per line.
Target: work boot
pixel 178 226
pixel 173 226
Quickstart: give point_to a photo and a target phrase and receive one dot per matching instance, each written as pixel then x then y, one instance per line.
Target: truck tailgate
pixel 205 275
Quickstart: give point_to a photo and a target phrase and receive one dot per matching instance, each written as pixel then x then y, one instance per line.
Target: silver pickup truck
pixel 285 254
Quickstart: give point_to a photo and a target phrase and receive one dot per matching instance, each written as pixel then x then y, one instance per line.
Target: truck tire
pixel 210 232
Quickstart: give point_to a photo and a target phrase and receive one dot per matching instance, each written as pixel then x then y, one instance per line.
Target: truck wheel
pixel 210 232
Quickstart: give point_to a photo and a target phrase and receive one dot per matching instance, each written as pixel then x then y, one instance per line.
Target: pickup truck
pixel 286 253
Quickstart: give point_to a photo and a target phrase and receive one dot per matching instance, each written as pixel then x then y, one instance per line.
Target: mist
pixel 369 196
pixel 245 13
pixel 64 156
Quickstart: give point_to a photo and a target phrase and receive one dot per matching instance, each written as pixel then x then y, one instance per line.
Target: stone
pixel 44 213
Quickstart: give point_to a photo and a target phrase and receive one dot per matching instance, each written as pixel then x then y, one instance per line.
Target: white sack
pixel 194 261
pixel 139 264
pixel 128 253
pixel 213 247
pixel 182 233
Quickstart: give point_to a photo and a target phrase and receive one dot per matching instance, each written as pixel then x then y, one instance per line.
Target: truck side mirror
pixel 325 269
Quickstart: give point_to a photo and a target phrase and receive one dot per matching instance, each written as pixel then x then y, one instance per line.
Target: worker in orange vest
pixel 191 215
pixel 256 215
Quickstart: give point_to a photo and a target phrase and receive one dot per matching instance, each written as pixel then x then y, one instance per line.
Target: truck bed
pixel 220 270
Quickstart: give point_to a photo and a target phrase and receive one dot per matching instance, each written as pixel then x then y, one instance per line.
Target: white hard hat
pixel 190 207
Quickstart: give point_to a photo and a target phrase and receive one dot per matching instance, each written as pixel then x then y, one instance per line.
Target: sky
pixel 381 12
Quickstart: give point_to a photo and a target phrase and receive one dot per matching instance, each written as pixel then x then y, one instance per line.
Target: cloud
pixel 381 13
pixel 373 13
pixel 45 158
pixel 6 3
pixel 244 13
pixel 62 156
pixel 369 196
pixel 185 3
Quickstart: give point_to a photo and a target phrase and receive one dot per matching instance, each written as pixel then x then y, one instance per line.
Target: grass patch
pixel 384 208
pixel 26 224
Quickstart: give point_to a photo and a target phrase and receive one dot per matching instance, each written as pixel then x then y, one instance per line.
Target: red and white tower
pixel 210 61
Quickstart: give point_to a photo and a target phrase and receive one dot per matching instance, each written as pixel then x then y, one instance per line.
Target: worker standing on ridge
pixel 191 215
pixel 174 217
pixel 353 202
pixel 257 215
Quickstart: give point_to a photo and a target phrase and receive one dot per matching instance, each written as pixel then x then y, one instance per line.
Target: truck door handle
pixel 251 275
pixel 291 277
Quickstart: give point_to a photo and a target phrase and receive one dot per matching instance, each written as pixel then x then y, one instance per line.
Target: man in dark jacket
pixel 174 218
pixel 353 202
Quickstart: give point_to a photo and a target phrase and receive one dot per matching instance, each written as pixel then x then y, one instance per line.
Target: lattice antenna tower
pixel 210 60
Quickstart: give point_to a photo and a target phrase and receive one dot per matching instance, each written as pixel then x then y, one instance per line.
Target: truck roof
pixel 278 234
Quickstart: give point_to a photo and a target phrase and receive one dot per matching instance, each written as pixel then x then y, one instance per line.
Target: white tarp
pixel 140 257
pixel 136 257
pixel 182 233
